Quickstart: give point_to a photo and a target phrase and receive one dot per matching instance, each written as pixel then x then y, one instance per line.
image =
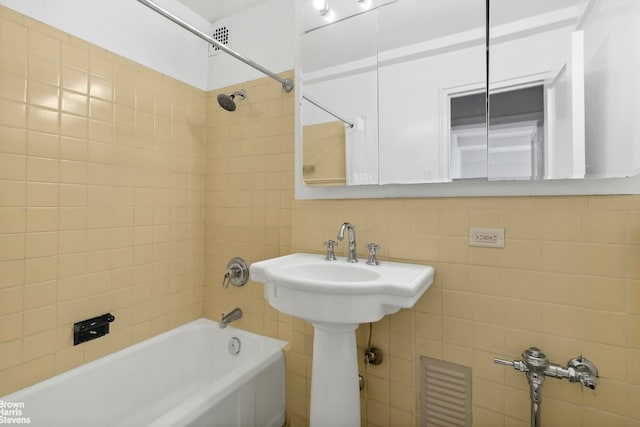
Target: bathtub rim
pixel 241 374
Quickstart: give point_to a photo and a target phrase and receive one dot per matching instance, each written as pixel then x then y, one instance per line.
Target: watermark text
pixel 13 413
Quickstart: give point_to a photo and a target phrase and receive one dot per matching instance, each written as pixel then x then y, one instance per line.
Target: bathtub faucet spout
pixel 234 314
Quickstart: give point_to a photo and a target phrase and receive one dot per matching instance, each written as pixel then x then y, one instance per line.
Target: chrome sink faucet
pixel 351 257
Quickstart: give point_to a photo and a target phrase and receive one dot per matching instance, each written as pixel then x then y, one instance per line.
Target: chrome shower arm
pixel 287 84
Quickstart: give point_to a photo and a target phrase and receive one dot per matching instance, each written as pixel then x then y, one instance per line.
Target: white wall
pixel 412 109
pixel 545 54
pixel 264 34
pixel 410 112
pixel 612 88
pixel 130 29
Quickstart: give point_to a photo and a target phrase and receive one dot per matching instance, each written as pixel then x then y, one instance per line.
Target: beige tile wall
pixel 249 190
pixel 567 281
pixel 101 200
pixel 323 154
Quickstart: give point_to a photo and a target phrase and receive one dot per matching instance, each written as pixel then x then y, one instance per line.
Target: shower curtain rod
pixel 326 110
pixel 287 84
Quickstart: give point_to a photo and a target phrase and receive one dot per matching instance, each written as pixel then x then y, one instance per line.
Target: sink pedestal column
pixel 335 394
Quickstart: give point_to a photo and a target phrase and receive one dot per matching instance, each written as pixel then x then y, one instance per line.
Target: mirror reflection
pixel 536 87
pixel 338 73
pixel 430 53
pixel 406 80
pixel 580 58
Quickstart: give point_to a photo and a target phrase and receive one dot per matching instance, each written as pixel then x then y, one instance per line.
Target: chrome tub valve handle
pixel 237 273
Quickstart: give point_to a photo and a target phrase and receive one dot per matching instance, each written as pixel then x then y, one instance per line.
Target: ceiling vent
pixel 221 34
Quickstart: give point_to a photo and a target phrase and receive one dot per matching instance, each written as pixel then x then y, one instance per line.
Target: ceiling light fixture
pixel 365 4
pixel 329 15
pixel 325 10
pixel 320 5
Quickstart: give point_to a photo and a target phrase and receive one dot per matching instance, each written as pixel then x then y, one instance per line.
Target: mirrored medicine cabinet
pixel 392 97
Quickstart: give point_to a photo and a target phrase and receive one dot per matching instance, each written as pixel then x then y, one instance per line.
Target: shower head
pixel 227 101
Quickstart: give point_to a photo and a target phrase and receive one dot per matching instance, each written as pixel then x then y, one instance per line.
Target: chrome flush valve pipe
pixel 536 363
pixel 584 371
pixel 536 366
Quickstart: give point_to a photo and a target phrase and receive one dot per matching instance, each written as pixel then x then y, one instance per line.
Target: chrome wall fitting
pixel 373 356
pixel 233 315
pixel 234 346
pixel 536 366
pixel 237 273
pixel 585 372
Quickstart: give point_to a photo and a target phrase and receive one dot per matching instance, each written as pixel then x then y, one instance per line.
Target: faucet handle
pixel 372 247
pixel 518 365
pixel 330 244
pixel 502 361
pixel 237 273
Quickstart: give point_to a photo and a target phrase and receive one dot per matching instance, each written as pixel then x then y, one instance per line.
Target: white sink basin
pixel 336 296
pixel 329 274
pixel 309 287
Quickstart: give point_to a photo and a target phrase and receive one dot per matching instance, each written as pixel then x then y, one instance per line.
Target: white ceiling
pixel 214 10
pixel 502 10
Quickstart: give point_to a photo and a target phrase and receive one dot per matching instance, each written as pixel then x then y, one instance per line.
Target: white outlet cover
pixel 486 237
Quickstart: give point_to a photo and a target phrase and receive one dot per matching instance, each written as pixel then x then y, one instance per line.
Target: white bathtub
pixel 184 377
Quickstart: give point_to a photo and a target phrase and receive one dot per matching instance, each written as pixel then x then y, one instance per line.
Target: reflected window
pixel 515 147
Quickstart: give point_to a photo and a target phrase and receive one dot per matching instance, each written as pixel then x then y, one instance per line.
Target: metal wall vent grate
pixel 221 34
pixel 445 394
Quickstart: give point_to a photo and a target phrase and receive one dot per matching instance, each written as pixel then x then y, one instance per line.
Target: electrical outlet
pixel 486 237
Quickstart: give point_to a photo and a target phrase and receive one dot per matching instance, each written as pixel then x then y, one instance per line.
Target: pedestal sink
pixel 335 296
